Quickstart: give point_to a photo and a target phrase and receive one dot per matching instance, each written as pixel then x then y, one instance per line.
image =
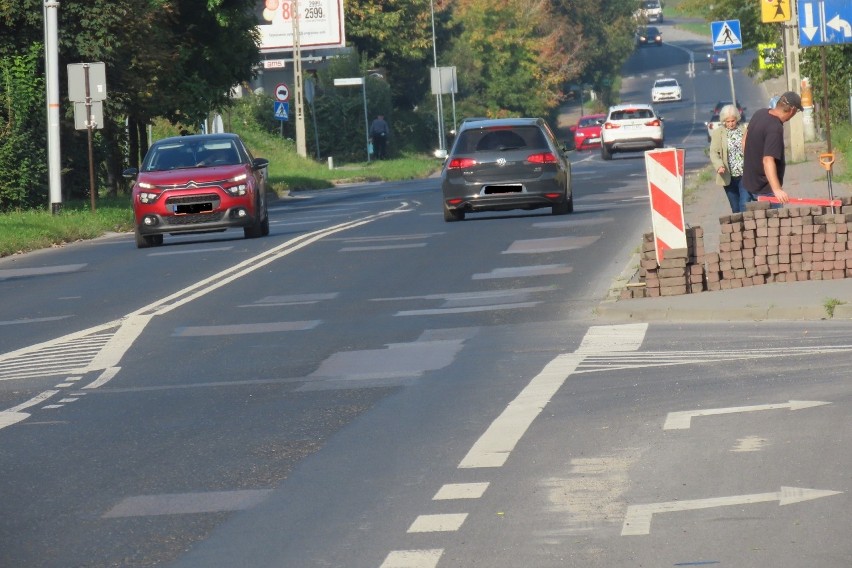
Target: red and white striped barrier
pixel 664 168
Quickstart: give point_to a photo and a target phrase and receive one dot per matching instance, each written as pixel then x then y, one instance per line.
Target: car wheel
pixel 606 153
pixel 146 241
pixel 255 230
pixel 563 207
pixel 451 215
pixel 264 225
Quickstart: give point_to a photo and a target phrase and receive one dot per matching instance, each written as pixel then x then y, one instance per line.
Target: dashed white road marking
pixel 461 491
pixel 524 271
pixel 244 328
pixel 437 523
pixel 382 247
pixel 413 558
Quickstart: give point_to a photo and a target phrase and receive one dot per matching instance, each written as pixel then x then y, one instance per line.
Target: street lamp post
pixel 439 103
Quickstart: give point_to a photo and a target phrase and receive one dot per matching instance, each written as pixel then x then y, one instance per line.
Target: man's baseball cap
pixel 792 99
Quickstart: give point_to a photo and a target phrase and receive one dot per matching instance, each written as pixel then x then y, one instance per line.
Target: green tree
pixel 604 31
pixel 23 158
pixel 511 55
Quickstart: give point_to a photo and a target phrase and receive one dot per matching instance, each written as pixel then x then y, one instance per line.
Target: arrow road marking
pixel 638 518
pixel 681 420
pixel 809 29
pixel 837 24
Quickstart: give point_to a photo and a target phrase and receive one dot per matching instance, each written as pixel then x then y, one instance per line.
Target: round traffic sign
pixel 282 93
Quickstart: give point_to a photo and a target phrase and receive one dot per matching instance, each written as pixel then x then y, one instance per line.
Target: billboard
pixel 321 24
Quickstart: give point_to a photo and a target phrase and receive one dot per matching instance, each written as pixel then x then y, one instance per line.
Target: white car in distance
pixel 667 89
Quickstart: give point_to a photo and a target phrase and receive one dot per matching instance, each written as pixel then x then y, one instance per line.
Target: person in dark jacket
pixel 379 133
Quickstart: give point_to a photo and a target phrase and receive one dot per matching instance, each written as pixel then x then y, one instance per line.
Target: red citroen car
pixel 198 184
pixel 587 131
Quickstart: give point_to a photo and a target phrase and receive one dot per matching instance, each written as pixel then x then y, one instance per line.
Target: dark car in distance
pixel 198 184
pixel 718 60
pixel 505 164
pixel 649 36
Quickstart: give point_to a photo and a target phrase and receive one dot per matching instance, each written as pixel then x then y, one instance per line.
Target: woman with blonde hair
pixel 726 154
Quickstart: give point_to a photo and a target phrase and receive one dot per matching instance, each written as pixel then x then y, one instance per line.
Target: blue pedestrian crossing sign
pixel 825 22
pixel 281 110
pixel 726 35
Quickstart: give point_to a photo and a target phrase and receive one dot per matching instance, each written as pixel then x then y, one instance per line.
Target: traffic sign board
pixel 282 92
pixel 774 11
pixel 726 35
pixel 281 110
pixel 824 22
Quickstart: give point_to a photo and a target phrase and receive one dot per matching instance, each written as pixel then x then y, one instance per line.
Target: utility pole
pixel 51 57
pixel 301 144
pixel 794 83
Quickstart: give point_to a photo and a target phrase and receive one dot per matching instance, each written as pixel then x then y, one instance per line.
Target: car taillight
pixel 460 163
pixel 610 125
pixel 653 123
pixel 542 158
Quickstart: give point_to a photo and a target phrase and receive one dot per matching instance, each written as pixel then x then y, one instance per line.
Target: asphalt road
pixel 372 387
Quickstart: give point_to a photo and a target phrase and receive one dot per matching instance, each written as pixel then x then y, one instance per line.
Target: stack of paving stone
pixel 680 272
pixel 763 245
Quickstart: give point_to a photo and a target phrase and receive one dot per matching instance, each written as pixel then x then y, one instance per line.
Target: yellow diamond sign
pixel 775 11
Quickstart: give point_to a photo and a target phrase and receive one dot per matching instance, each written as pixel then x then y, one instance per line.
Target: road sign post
pixel 726 36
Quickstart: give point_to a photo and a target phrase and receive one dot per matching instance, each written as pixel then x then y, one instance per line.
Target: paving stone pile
pixel 758 246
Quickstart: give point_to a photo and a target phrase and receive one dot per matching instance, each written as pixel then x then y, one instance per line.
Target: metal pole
pixel 301 145
pixel 731 79
pixel 438 104
pixel 89 131
pixel 366 118
pixel 51 52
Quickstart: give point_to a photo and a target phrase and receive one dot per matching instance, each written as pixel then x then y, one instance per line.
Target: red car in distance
pixel 587 131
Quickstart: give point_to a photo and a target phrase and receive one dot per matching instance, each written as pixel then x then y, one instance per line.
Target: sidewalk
pixel 809 300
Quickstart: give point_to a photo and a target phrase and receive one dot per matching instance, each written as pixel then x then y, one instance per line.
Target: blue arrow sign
pixel 825 22
pixel 726 35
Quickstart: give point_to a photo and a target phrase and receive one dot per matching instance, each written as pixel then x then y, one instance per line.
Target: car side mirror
pixel 130 173
pixel 441 154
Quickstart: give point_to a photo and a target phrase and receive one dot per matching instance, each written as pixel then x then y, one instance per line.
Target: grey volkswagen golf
pixel 504 164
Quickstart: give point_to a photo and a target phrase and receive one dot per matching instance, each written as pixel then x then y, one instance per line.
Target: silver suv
pixel 631 128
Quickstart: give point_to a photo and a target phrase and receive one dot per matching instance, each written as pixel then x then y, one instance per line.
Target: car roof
pixel 492 122
pixel 651 29
pixel 660 80
pixel 630 105
pixel 198 137
pixel 600 115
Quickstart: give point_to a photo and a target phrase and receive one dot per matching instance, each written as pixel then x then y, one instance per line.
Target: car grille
pixel 193 219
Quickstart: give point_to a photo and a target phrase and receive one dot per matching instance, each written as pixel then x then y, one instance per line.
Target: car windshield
pixel 667 83
pixel 589 122
pixel 500 139
pixel 651 32
pixel 650 4
pixel 191 154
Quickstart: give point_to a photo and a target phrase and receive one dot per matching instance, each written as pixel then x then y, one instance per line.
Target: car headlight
pixel 237 185
pixel 148 197
pixel 239 189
